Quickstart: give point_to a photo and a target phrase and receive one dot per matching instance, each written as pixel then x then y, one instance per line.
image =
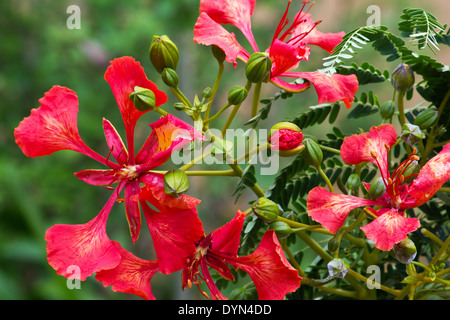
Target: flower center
pixel 129 173
pixel 397 177
pixel 299 18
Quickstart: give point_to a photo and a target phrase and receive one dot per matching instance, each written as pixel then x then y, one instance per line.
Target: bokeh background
pixel 37 51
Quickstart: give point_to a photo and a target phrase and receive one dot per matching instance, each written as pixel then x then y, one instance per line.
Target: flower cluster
pixel 159 199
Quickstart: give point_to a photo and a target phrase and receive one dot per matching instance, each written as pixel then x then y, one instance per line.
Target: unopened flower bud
pixel 180 106
pixel 403 78
pixel 266 209
pixel 405 251
pixel 333 244
pixel 287 138
pixel 170 77
pixel 207 92
pixel 258 67
pixel 282 229
pixel 312 153
pixel 338 268
pixel 426 119
pixel 387 109
pixel 353 182
pixel 163 53
pixel 175 182
pixel 143 99
pixel 377 188
pixel 411 134
pixel 236 95
pixel 410 170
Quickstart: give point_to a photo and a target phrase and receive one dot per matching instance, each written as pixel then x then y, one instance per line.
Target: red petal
pixel 173 229
pixel 431 177
pixel 123 75
pixel 289 87
pixel 390 228
pixel 326 41
pixel 286 56
pixel 360 148
pixel 52 126
pixel 226 239
pixel 269 269
pixel 132 209
pixel 84 246
pixel 115 143
pixel 330 88
pixel 96 177
pixel 172 134
pixel 208 32
pixel 331 209
pixel 235 12
pixel 132 275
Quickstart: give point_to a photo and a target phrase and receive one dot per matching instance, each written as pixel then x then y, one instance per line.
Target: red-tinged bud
pixel 403 78
pixel 287 138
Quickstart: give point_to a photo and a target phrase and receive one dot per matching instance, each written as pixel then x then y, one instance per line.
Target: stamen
pixel 373 155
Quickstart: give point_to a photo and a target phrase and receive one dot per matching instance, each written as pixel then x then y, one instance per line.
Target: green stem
pixel 208 120
pixel 258 149
pixel 214 90
pixel 330 149
pixel 324 176
pixel 256 188
pixel 181 97
pixel 230 173
pixel 401 108
pixel 444 189
pixel 160 111
pixel 255 101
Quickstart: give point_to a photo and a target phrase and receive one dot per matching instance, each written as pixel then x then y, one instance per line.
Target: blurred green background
pixel 37 51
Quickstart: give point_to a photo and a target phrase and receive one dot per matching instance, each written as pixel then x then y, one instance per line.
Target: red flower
pixel 53 127
pixel 287 49
pixel 391 225
pixel 267 266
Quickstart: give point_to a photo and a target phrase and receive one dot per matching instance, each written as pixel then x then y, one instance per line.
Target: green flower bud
pixel 312 153
pixel 411 134
pixel 175 182
pixel 377 188
pixel 170 77
pixel 143 99
pixel 282 229
pixel 236 95
pixel 180 106
pixel 405 251
pixel 258 67
pixel 163 53
pixel 206 94
pixel 387 109
pixel 338 268
pixel 333 245
pixel 426 119
pixel 353 182
pixel 403 78
pixel 266 209
pixel 412 168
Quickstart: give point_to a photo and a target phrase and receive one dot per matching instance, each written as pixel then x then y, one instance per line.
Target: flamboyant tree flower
pixel 267 266
pixel 53 127
pixel 287 49
pixel 391 225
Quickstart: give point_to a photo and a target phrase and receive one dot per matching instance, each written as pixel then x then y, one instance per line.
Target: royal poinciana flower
pixel 391 225
pixel 287 49
pixel 53 127
pixel 267 266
